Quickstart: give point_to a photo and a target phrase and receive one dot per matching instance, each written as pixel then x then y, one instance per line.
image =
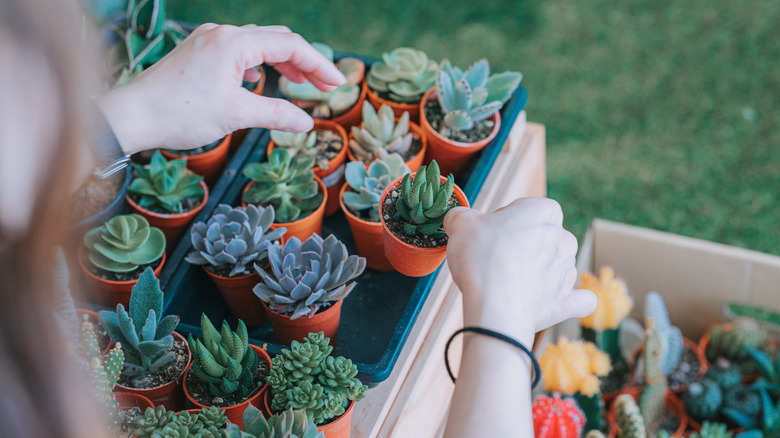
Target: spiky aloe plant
pixel 148 347
pixel 286 424
pixel 405 74
pixel 651 398
pixel 103 374
pixel 424 201
pixel 124 243
pixel 165 184
pixel 380 135
pixel 368 184
pixel 224 361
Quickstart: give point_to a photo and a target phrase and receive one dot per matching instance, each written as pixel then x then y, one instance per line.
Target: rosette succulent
pixel 287 424
pixel 306 276
pixel 405 74
pixel 234 237
pixel 165 184
pixel 380 134
pixel 368 184
pixel 147 345
pixel 158 422
pixel 296 142
pixel 124 243
pixel 306 377
pixel 223 360
pixel 424 202
pixel 285 182
pixel 472 95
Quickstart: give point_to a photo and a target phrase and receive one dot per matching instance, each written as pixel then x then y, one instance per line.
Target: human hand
pixel 515 267
pixel 193 95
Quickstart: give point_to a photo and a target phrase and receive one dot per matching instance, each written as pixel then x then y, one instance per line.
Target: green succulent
pixel 157 422
pixel 164 184
pixel 703 400
pixel 286 424
pixel 469 96
pixel 405 74
pixel 712 430
pixel 770 368
pixel 422 205
pixel 306 377
pixel 368 184
pixel 298 143
pixel 380 135
pixel 224 360
pixel 102 373
pixel 148 346
pixel 285 182
pixel 124 243
pixel 671 337
pixel 731 344
pixel 651 398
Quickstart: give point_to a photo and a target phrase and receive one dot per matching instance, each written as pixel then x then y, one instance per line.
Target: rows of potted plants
pixel 624 380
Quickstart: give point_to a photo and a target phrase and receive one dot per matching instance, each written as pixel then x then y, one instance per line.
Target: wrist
pixel 127 116
pixel 489 311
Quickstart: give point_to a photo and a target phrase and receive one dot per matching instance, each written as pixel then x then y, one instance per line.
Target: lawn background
pixel 662 114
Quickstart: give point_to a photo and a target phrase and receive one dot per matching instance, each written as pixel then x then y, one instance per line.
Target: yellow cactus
pixel 614 302
pixel 573 366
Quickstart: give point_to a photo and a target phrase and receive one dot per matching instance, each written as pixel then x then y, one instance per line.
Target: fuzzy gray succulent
pixel 405 74
pixel 474 94
pixel 305 276
pixel 368 184
pixel 380 135
pixel 234 237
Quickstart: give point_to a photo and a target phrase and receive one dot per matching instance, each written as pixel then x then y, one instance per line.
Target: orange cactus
pixel 614 301
pixel 569 367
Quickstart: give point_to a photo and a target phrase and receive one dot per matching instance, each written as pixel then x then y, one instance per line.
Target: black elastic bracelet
pixel 499 336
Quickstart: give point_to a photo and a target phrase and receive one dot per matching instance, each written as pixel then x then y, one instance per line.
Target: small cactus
pixel 703 400
pixel 651 399
pixel 742 405
pixel 573 366
pixel 671 337
pixel 731 344
pixel 628 417
pixel 103 374
pixel 614 301
pixel 555 417
pixel 724 373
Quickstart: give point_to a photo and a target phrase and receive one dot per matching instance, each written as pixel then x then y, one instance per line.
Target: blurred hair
pixel 41 393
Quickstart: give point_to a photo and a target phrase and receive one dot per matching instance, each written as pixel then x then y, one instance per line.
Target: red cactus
pixel 555 417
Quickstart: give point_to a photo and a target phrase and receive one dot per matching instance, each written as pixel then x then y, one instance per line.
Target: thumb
pixel 579 304
pixel 459 217
pixel 256 111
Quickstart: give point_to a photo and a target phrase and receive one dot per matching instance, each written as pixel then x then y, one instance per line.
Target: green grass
pixel 662 114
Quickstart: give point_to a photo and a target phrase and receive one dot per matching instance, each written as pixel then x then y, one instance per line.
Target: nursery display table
pixel 414 400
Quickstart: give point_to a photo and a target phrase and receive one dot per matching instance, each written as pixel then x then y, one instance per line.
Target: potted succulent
pixel 327 143
pixel 307 377
pixel 116 253
pixel 359 199
pixel 400 80
pixel 227 246
pixel 202 423
pixel 573 369
pixel 413 209
pixel 155 355
pixel 289 184
pixel 256 87
pixel 721 396
pixel 227 371
pixel 556 417
pixel 381 134
pixel 341 105
pixel 207 161
pixel 731 341
pixel 304 289
pixel 286 424
pixel 167 195
pixel 460 115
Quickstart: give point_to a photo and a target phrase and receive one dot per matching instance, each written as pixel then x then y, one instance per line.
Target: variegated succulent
pixel 380 135
pixel 368 184
pixel 405 74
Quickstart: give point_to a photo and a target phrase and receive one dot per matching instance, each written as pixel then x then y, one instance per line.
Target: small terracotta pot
pixel 302 228
pixel 334 165
pixel 452 156
pixel 288 330
pixel 238 295
pixel 368 237
pixel 416 161
pixel 235 412
pixel 703 364
pixel 209 164
pixel 93 318
pixel 338 428
pixel 671 403
pixel 239 136
pixel 398 108
pixel 407 259
pixel 173 225
pixel 354 115
pixel 169 394
pixel 106 292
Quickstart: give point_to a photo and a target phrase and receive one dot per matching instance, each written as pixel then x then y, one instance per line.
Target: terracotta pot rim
pixel 348 213
pixel 224 144
pixel 82 256
pixel 287 317
pixel 413 127
pixel 328 125
pixel 170 216
pixel 242 277
pixel 459 144
pixel 320 427
pixel 133 395
pixel 382 101
pixel 462 199
pixel 323 190
pixel 170 383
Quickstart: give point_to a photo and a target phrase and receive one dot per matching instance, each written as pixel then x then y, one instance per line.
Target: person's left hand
pixel 193 96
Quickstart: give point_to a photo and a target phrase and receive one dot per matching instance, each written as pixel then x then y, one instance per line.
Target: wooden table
pixel 414 400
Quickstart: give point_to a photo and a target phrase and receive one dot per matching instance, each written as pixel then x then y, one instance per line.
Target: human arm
pixel 515 268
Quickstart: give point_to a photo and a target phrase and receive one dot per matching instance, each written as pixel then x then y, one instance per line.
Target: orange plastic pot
pixel 354 115
pixel 235 412
pixel 169 394
pixel 398 108
pixel 209 164
pixel 408 259
pixel 173 225
pixel 671 403
pixel 333 183
pixel 288 330
pixel 93 318
pixel 239 136
pixel 302 228
pixel 368 237
pixel 107 292
pixel 238 295
pixel 416 161
pixel 338 428
pixel 452 156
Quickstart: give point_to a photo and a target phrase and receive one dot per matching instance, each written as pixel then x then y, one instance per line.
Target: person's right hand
pixel 515 267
